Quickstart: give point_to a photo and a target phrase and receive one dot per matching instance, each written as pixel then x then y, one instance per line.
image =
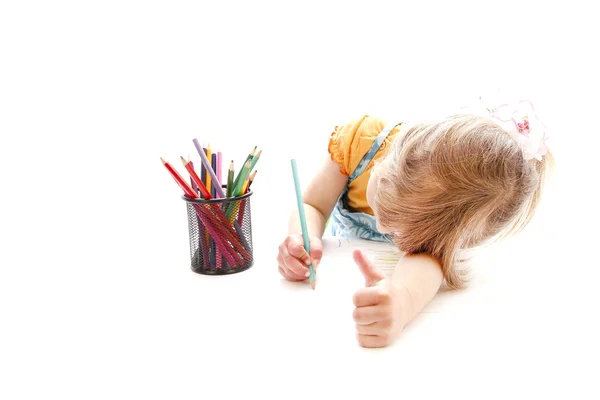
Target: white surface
pixel 96 296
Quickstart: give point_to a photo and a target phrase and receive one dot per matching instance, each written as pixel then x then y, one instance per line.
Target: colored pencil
pixel 209 167
pixel 240 217
pixel 192 183
pixel 255 160
pixel 195 178
pixel 213 163
pixel 245 187
pixel 206 242
pixel 219 166
pixel 236 181
pixel 237 189
pixel 219 259
pixel 252 176
pixel 206 163
pixel 302 215
pixel 203 169
pixel 187 189
pixel 230 179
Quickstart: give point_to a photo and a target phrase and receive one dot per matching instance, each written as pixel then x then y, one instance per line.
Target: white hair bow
pixel 523 124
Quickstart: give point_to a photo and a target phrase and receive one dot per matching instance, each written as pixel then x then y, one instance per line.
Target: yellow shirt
pixel 348 145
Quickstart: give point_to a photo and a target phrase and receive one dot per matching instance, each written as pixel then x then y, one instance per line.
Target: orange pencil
pixel 251 180
pixel 196 179
pixel 209 157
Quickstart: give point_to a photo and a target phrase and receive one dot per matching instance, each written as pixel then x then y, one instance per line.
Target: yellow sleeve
pixel 349 143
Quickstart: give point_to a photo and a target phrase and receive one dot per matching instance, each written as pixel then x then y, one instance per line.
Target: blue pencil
pixel 305 237
pixel 203 170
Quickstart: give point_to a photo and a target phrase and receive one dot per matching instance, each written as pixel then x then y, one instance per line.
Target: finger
pixel 371 273
pixel 377 328
pixel 371 314
pixel 287 277
pixel 284 262
pixel 372 341
pixel 295 248
pixel 294 266
pixel 316 251
pixel 370 296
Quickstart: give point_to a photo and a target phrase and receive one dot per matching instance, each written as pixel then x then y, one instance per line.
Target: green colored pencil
pixel 249 158
pixel 237 189
pixel 230 180
pixel 305 237
pixel 255 160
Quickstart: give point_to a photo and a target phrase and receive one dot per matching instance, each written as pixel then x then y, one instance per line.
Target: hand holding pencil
pixel 293 260
pixel 305 238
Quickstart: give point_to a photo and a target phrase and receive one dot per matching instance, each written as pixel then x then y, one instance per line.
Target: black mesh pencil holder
pixel 220 232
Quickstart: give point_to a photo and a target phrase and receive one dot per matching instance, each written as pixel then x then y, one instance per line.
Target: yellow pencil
pixel 208 179
pixel 245 187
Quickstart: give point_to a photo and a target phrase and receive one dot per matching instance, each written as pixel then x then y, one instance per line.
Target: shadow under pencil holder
pixel 220 232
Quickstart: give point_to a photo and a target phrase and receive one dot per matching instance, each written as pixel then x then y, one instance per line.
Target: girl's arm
pixel 319 201
pixel 385 306
pixel 417 278
pixel 319 198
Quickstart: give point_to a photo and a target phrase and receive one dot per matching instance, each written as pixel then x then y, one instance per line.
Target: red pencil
pixel 187 189
pixel 196 179
pixel 192 183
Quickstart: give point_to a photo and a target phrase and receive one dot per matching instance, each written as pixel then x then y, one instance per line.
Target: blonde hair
pixel 456 184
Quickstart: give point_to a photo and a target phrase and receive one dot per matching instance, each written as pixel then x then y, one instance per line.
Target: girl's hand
pixel 377 313
pixel 293 260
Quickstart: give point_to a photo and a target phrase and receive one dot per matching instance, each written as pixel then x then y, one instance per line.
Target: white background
pixel 96 296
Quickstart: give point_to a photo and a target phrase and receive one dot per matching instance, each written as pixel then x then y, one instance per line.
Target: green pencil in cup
pixel 230 180
pixel 236 181
pixel 237 189
pixel 312 278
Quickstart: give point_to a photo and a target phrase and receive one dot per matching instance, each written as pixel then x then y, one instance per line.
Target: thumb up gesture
pixel 377 310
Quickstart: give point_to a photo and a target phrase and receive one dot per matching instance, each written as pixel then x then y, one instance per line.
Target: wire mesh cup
pixel 220 232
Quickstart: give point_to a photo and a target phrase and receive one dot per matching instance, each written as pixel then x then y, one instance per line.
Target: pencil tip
pixel 313 284
pixel 163 160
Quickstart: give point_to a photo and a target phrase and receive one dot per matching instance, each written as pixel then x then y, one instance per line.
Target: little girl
pixel 433 189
